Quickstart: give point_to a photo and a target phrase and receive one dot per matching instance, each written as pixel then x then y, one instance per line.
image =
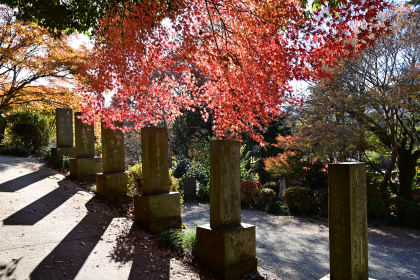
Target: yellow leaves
pixel 37 72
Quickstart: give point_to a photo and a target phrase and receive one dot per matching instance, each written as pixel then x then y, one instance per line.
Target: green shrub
pixel 249 189
pixel 203 192
pixel 297 199
pixel 316 177
pixel 395 206
pixel 321 201
pixel 28 130
pixel 271 185
pixel 374 207
pixel 183 241
pixel 180 167
pixel 392 221
pixel 266 196
pixel 135 181
pixel 58 163
pixel 412 216
pixel 278 208
pixel 27 135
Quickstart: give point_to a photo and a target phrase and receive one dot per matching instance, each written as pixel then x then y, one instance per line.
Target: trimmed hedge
pixel 297 199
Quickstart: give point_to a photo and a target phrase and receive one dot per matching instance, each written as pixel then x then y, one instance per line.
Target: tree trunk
pixel 407 169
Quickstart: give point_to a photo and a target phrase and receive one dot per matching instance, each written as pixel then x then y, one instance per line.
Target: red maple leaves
pixel 234 59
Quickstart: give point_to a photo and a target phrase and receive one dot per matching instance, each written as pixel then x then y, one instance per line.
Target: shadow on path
pixel 65 261
pixel 7 270
pixel 42 207
pixel 23 181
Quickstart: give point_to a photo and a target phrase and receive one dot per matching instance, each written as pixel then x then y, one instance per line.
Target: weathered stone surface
pixel 63 151
pixel 328 277
pixel 84 135
pixel 64 127
pixel 158 212
pixel 282 187
pixel 3 123
pixel 85 169
pixel 113 152
pixel 112 186
pixel 190 186
pixel 228 253
pixel 225 184
pixel 348 221
pixel 154 150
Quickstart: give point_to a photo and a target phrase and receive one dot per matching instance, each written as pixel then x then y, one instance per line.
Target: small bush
pixel 277 208
pixel 29 130
pixel 374 207
pixel 395 206
pixel 249 189
pixel 135 181
pixel 271 185
pixel 180 167
pixel 266 196
pixel 321 201
pixel 412 216
pixel 203 192
pixel 27 135
pixel 297 199
pixel 392 221
pixel 58 163
pixel 183 241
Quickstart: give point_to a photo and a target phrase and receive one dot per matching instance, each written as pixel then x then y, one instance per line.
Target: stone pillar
pixel 64 133
pixel 190 186
pixel 85 166
pixel 3 123
pixel 112 183
pixel 226 246
pixel 282 186
pixel 347 214
pixel 156 209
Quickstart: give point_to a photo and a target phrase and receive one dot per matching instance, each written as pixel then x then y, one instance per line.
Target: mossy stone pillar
pixel 3 123
pixel 226 246
pixel 347 214
pixel 64 133
pixel 156 209
pixel 85 166
pixel 112 183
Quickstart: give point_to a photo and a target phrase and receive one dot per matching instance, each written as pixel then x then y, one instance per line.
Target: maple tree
pixel 371 103
pixel 249 51
pixel 37 73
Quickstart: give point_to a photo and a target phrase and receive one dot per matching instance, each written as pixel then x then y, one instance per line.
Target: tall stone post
pixel 156 209
pixel 112 183
pixel 85 166
pixel 226 246
pixel 3 123
pixel 347 214
pixel 64 133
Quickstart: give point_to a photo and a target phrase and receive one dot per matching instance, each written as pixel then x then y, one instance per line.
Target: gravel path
pixel 296 248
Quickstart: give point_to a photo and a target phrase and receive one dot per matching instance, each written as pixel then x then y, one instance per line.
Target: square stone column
pixel 225 246
pixel 64 133
pixel 347 213
pixel 112 183
pixel 85 166
pixel 156 209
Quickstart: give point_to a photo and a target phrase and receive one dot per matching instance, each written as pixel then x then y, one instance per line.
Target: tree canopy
pixel 371 103
pixel 36 71
pixel 248 52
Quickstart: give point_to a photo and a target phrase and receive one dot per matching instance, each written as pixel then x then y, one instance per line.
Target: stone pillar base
pixel 63 151
pixel 158 213
pixel 229 253
pixel 113 186
pixel 327 277
pixel 85 169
